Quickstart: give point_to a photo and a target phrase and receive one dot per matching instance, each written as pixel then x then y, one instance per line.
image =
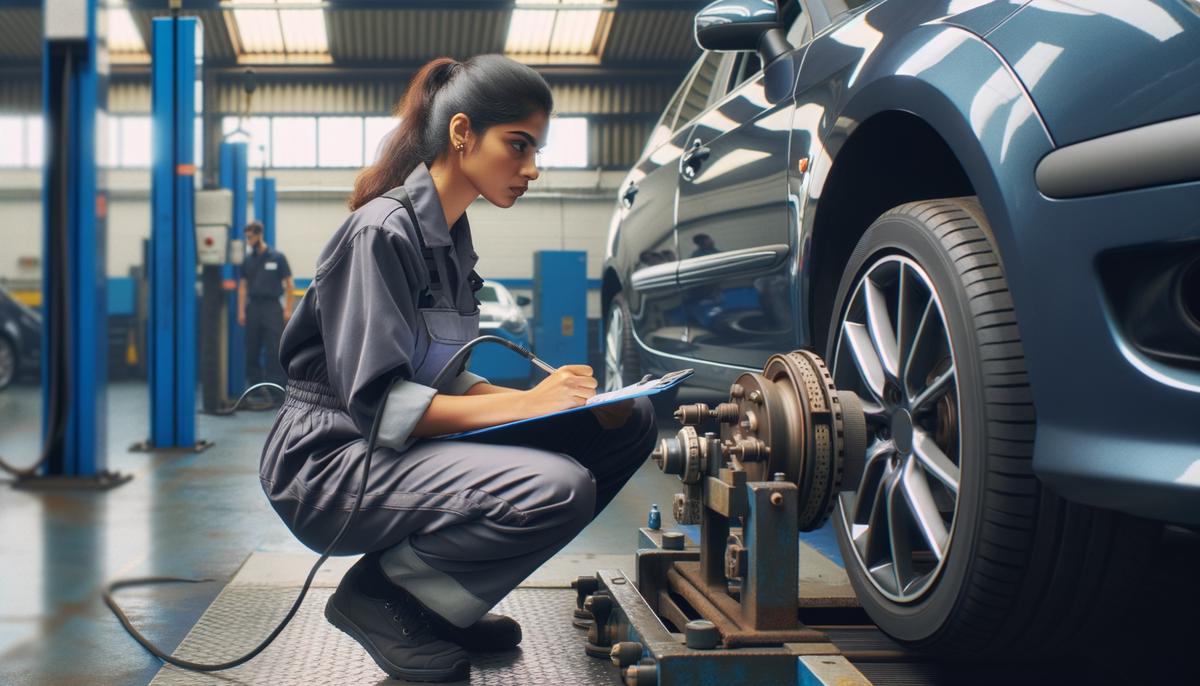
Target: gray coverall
pixel 461 522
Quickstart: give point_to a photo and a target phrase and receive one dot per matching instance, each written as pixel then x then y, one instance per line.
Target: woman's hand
pixel 568 387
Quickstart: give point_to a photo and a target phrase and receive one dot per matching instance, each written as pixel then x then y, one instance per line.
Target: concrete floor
pixel 203 515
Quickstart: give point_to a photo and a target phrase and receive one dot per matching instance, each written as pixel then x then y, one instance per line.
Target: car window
pixel 748 64
pixel 801 30
pixel 700 88
pixel 837 8
pixel 487 294
pixel 666 123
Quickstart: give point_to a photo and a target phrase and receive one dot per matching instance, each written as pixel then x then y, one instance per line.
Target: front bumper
pixel 1117 428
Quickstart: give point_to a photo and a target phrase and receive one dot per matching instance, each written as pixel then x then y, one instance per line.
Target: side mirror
pixel 523 300
pixel 738 25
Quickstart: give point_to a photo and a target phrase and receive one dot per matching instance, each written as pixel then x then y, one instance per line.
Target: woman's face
pixel 502 163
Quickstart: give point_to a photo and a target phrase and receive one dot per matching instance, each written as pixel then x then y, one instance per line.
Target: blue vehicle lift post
pixel 74 208
pixel 172 272
pixel 264 207
pixel 233 176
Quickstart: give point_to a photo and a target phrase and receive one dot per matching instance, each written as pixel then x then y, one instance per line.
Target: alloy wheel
pixel 614 343
pixel 894 350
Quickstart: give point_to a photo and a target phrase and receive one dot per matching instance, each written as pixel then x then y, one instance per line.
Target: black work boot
pixel 490 633
pixel 393 627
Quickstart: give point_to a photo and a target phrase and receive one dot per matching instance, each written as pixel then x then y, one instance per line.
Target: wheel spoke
pixel 865 359
pixel 883 336
pixel 875 467
pixel 936 389
pixel 924 509
pixel 875 544
pixel 910 351
pixel 899 538
pixel 935 461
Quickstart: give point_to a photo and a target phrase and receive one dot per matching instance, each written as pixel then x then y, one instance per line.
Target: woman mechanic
pixel 448 527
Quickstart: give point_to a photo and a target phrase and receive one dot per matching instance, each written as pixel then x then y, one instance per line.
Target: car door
pixel 733 231
pixel 648 198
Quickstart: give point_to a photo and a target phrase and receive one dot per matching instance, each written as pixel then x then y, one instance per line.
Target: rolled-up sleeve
pixel 367 310
pixel 462 383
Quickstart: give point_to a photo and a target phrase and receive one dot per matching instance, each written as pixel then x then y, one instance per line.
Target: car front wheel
pixel 8 362
pixel 951 543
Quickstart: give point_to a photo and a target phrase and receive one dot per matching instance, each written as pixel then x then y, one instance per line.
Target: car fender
pixel 956 83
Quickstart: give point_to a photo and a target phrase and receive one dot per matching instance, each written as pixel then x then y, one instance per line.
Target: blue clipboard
pixel 645 387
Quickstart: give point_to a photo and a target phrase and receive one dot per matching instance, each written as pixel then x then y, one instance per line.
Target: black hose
pixel 362 487
pixel 58 375
pixel 234 408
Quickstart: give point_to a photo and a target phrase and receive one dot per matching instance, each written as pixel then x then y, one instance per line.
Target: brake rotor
pixel 793 421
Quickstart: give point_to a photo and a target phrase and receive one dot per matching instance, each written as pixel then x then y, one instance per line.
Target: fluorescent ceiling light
pixel 296 29
pixel 123 36
pixel 537 28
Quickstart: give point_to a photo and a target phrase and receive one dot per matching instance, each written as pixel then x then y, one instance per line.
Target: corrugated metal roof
pixel 129 96
pixel 414 35
pixel 313 96
pixel 616 144
pixel 20 34
pixel 331 94
pixel 21 94
pixel 590 97
pixel 651 35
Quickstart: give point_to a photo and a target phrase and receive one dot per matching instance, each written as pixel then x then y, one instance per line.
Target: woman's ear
pixel 460 130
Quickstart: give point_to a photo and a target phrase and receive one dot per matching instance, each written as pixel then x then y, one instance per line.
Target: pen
pixel 545 367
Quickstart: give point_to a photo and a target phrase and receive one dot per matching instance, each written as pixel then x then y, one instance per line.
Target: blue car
pixel 20 339
pixel 985 215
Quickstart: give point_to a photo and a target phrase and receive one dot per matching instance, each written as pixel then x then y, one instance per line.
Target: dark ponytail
pixel 489 89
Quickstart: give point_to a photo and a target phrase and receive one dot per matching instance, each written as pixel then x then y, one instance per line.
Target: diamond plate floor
pixel 310 651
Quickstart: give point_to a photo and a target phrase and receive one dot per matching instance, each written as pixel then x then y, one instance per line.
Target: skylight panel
pixel 539 31
pixel 295 30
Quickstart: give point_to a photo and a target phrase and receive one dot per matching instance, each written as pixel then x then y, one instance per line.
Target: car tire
pixel 621 363
pixel 10 362
pixel 1022 571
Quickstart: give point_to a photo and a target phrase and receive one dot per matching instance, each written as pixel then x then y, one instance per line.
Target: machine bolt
pixel 727 413
pixel 756 397
pixel 701 634
pixel 692 415
pixel 672 540
pixel 626 653
pixel 600 606
pixel 641 675
pixel 776 499
pixel 737 391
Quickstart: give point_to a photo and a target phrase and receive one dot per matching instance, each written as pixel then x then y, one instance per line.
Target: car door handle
pixel 629 195
pixel 693 158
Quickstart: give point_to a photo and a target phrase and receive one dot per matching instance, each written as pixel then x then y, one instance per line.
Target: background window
pixel 297 138
pixel 134 142
pixel 340 141
pixel 567 143
pixel 374 131
pixel 255 132
pixel 12 130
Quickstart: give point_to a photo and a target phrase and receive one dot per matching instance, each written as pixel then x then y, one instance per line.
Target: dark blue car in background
pixel 986 216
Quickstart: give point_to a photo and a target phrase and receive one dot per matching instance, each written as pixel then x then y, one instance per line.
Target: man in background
pixel 265 277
